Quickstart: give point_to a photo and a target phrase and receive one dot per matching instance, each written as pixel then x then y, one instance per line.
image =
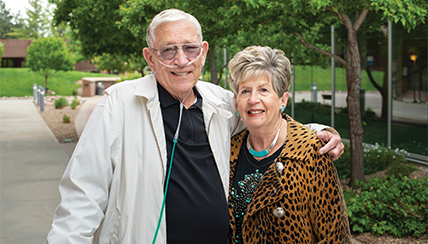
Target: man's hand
pixel 334 146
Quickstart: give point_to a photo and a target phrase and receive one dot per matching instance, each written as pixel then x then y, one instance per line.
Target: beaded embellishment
pixel 241 199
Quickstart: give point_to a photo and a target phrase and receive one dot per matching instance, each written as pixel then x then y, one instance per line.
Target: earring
pixel 282 109
pixel 237 113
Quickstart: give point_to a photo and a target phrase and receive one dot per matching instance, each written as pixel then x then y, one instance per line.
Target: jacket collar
pixel 296 132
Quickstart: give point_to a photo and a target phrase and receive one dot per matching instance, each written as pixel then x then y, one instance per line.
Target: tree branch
pixel 304 43
pixel 361 18
pixel 369 74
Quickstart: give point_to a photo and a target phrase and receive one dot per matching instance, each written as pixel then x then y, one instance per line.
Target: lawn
pixel 305 76
pixel 19 81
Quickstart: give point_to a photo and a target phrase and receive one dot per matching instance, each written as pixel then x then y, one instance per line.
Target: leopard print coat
pixel 303 203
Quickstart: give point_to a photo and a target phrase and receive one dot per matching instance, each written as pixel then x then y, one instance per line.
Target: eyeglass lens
pixel 191 51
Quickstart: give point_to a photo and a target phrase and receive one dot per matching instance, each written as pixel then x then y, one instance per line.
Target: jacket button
pixel 279 167
pixel 278 212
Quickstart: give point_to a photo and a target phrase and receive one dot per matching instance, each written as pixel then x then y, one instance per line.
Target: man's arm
pixel 334 146
pixel 84 188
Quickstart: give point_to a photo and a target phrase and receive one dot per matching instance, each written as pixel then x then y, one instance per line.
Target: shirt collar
pixel 167 100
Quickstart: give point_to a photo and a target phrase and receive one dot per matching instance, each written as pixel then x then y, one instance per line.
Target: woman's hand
pixel 334 146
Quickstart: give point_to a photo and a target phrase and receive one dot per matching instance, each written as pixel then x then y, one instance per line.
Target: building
pixel 15 52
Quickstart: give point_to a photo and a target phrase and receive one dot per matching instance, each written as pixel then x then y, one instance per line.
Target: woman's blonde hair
pixel 258 61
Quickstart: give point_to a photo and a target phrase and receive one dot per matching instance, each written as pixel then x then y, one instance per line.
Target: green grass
pixel 305 75
pixel 19 81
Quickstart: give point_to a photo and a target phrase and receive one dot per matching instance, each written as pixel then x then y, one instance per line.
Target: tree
pixel 7 22
pixel 1 52
pixel 48 55
pixel 36 25
pixel 299 16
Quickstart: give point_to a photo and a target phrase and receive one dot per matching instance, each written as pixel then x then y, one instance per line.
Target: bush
pixel 74 103
pixel 398 206
pixel 65 119
pixel 376 158
pixel 61 102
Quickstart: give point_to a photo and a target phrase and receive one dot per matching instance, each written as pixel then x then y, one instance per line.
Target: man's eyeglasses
pixel 191 50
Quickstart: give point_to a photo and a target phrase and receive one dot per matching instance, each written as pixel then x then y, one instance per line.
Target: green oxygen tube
pixel 169 170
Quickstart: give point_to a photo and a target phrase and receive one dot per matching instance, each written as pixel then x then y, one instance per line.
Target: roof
pixel 14 48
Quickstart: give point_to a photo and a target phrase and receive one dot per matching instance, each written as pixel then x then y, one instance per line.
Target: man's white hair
pixel 170 15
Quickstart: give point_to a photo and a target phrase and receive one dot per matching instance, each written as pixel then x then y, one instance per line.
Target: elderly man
pixel 161 141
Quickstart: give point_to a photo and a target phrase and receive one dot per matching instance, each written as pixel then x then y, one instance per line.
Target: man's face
pixel 181 78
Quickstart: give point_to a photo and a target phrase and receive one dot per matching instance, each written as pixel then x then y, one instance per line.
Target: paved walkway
pixel 31 164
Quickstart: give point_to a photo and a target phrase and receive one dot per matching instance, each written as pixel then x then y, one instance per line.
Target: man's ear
pixel 148 56
pixel 205 47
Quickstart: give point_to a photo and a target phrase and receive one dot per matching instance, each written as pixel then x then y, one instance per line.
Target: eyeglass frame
pixel 176 51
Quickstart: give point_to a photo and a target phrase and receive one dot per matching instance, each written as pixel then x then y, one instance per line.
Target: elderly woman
pixel 281 189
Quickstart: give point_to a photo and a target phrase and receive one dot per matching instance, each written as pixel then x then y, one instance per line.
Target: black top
pixel 196 206
pixel 249 173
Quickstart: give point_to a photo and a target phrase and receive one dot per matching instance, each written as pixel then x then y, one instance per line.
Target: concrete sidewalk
pixel 31 165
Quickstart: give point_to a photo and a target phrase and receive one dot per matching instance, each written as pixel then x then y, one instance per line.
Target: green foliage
pixel 61 102
pixel 74 103
pixel 1 51
pixel 48 55
pixel 36 25
pixel 65 119
pixel 398 206
pixel 6 20
pixel 376 158
pixel 399 169
pixel 19 81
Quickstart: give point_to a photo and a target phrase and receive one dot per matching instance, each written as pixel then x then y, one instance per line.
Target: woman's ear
pixel 284 99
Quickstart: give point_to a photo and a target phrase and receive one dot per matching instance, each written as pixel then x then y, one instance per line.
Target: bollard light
pixel 38 95
pixel 314 89
pixel 42 99
pixel 34 92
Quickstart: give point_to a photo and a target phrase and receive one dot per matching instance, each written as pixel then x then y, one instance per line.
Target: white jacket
pixel 112 189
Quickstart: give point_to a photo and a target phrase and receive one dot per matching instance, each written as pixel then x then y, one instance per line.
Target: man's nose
pixel 181 58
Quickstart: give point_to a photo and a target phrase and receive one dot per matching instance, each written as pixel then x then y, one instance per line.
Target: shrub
pixel 74 92
pixel 65 119
pixel 398 206
pixel 398 169
pixel 74 103
pixel 61 102
pixel 369 113
pixel 376 158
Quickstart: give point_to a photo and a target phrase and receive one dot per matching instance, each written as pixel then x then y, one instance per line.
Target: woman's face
pixel 258 104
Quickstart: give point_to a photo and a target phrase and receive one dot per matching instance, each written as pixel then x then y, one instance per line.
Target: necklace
pixel 265 152
pixel 257 166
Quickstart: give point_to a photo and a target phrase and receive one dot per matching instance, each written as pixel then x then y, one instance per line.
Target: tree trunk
pixel 46 84
pixel 213 68
pixel 353 82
